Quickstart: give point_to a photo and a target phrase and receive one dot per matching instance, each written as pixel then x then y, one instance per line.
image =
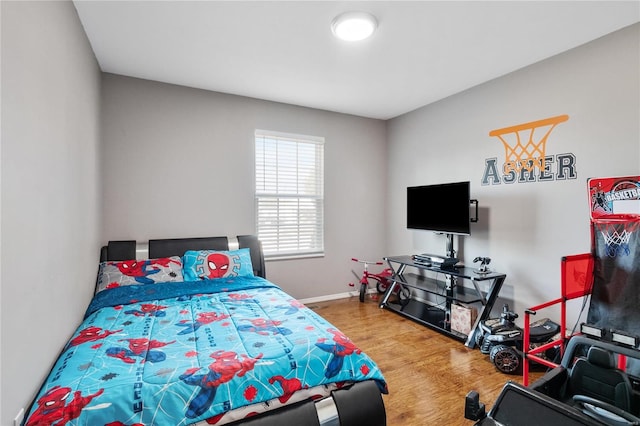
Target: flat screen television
pixel 440 208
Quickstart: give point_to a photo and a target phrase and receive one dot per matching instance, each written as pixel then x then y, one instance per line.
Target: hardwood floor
pixel 428 374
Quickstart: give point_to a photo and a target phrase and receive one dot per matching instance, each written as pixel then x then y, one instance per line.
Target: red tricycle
pixel 383 281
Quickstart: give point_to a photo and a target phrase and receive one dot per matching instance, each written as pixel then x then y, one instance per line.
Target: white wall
pixel 50 184
pixel 179 162
pixel 524 227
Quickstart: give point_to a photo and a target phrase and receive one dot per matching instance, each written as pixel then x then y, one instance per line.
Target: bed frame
pixel 128 249
pixel 355 405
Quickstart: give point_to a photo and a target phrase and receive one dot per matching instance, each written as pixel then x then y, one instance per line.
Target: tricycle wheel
pixel 505 358
pixel 382 286
pixel 363 291
pixel 404 296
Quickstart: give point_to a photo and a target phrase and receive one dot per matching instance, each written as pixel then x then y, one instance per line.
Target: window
pixel 289 194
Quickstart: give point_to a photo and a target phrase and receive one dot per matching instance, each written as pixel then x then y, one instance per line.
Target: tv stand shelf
pixel 447 287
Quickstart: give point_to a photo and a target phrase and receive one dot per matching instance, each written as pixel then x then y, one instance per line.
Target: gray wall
pixel 524 227
pixel 50 185
pixel 179 162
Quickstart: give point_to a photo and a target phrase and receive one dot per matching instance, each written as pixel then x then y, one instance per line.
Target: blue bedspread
pixel 178 353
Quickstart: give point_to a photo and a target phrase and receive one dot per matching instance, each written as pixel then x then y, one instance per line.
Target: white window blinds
pixel 289 194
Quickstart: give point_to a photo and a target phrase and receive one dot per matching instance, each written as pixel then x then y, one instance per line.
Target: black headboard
pixel 178 246
pixel 118 250
pixel 255 248
pixel 126 250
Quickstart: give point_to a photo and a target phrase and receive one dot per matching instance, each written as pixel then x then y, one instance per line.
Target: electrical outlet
pixel 17 421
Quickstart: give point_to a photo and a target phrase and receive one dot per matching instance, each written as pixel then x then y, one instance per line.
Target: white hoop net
pixel 616 241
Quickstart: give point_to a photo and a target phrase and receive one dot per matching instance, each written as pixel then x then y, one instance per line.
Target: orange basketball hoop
pixel 524 151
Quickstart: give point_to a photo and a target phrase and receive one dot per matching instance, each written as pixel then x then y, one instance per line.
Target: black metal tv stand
pixel 446 286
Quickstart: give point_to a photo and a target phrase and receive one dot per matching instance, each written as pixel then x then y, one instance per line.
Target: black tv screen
pixel 440 208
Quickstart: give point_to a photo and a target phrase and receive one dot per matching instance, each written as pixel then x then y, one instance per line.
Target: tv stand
pixel 446 286
pixel 450 251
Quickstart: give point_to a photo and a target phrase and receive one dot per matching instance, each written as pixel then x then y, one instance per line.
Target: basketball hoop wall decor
pixel 525 158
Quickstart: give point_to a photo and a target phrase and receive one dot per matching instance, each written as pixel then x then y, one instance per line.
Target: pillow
pixel 210 264
pixel 149 271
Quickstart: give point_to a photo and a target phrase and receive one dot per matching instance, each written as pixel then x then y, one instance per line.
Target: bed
pixel 193 334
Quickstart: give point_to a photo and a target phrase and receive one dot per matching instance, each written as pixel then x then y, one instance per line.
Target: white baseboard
pixel 335 296
pixel 329 297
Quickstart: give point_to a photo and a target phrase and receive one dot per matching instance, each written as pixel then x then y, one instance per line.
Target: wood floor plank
pixel 428 374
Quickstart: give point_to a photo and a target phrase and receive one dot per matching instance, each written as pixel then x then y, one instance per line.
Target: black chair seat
pixel 597 377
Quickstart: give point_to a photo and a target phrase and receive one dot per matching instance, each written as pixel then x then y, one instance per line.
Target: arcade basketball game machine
pixel 615 233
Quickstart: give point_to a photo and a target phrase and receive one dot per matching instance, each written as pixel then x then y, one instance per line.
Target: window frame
pixel 310 202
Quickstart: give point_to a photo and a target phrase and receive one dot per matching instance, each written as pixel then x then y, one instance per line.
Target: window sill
pixel 277 257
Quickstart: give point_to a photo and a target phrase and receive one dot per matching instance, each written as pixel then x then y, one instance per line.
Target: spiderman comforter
pixel 186 352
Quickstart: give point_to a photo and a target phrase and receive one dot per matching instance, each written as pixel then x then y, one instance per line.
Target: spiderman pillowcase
pixel 210 264
pixel 150 271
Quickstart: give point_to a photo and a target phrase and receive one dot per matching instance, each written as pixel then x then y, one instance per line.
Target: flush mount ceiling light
pixel 354 26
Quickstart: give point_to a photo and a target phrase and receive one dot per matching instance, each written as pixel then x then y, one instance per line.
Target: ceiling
pixel 423 51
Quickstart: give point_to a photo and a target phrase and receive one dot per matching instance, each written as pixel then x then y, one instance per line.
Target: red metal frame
pixel 576 281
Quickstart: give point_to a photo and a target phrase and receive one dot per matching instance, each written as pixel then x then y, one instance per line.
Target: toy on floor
pixel 502 339
pixel 588 388
pixel 382 279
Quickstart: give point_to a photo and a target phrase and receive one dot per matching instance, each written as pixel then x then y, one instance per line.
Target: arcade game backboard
pixel 615 230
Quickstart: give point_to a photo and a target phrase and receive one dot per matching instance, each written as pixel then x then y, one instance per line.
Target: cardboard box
pixel 463 318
